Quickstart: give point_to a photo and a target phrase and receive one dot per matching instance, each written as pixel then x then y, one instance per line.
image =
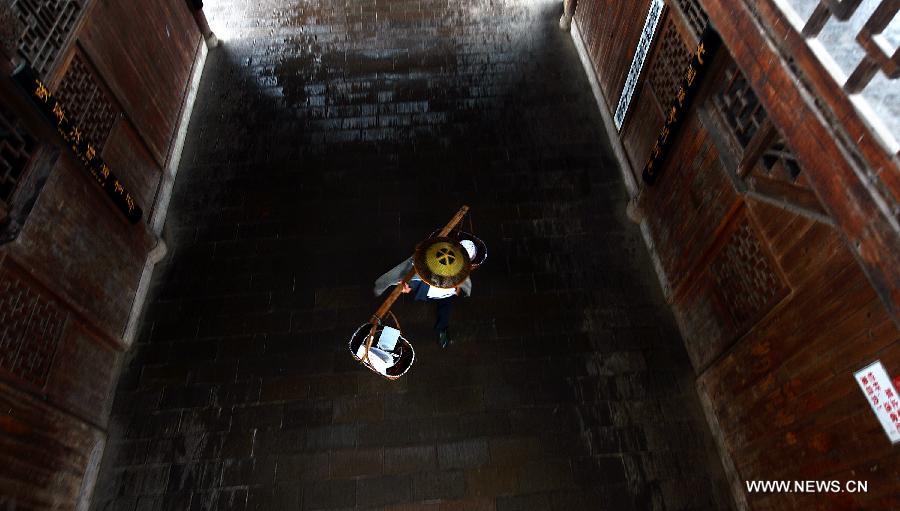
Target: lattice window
pixel 694 14
pixel 17 148
pixel 770 169
pixel 47 25
pixel 86 101
pixel 672 58
pixel 760 162
pixel 31 325
pixel 739 107
pixel 745 276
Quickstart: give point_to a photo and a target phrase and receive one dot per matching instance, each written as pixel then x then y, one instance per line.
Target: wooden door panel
pixel 643 122
pixel 692 199
pixel 126 153
pixel 612 31
pixel 145 56
pixel 738 284
pixel 785 397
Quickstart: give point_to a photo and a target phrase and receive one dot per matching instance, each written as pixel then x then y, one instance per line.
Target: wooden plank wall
pixel 123 76
pixel 43 452
pixel 775 311
pixel 612 31
pixel 145 56
pixel 785 395
pixel 69 277
pixel 56 370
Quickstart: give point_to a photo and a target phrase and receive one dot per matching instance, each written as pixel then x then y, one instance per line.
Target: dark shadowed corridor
pixel 328 139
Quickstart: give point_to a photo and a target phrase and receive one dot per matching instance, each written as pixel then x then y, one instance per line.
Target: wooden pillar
pixel 565 21
pixel 197 9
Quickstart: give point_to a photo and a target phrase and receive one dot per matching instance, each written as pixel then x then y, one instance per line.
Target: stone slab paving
pixel 328 139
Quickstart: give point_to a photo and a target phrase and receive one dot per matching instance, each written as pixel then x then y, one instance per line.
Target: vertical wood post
pixel 565 21
pixel 196 7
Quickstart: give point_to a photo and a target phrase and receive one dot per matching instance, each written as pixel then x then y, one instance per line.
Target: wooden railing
pixel 854 41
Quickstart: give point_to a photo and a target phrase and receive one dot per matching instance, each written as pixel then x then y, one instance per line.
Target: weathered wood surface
pixel 43 453
pixel 145 56
pixel 778 305
pixel 694 186
pixel 643 122
pixel 50 347
pixel 785 395
pixel 76 239
pixel 612 31
pixel 854 203
pixel 135 166
pixel 68 281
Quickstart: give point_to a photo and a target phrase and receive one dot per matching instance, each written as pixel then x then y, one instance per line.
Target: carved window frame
pixel 87 98
pixel 47 29
pixel 39 161
pixel 761 163
pixel 670 58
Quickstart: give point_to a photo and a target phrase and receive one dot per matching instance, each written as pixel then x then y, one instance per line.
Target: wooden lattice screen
pixel 739 107
pixel 32 325
pixel 672 58
pixel 767 165
pixel 47 25
pixel 86 101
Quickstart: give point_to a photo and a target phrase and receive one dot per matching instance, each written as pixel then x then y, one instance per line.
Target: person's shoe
pixel 443 339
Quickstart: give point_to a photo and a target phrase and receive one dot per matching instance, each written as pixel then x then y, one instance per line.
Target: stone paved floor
pixel 328 139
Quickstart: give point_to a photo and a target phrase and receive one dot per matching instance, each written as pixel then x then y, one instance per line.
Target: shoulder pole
pixel 398 289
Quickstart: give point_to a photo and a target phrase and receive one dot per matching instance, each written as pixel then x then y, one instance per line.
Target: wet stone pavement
pixel 328 139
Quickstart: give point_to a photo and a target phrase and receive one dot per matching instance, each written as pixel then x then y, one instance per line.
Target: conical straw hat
pixel 442 262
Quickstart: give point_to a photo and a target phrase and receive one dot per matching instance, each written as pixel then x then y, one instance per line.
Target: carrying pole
pixel 398 289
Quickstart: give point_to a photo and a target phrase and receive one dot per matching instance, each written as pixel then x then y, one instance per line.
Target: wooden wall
pixel 146 58
pixel 774 306
pixel 69 274
pixel 611 31
pixel 611 35
pixel 785 395
pixel 123 74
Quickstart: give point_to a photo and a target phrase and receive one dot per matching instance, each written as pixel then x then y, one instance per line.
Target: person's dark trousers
pixel 444 306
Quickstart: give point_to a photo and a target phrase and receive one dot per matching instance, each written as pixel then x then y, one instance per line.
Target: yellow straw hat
pixel 442 262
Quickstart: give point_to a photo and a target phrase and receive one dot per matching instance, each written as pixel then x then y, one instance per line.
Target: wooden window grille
pixel 739 107
pixel 762 162
pixel 746 276
pixel 694 15
pixel 875 57
pixel 48 24
pixel 779 162
pixel 25 164
pixel 33 324
pixel 672 58
pixel 770 169
pixel 87 102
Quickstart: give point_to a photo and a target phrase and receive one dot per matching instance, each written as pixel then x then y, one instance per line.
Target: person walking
pixel 443 298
